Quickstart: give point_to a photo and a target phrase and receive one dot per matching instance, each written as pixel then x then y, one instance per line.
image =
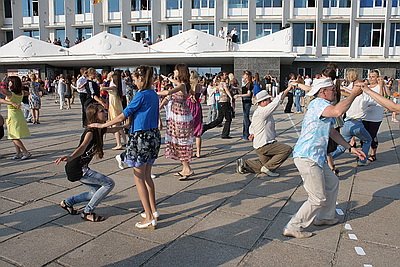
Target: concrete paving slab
pixel 42 245
pixel 114 217
pixel 376 254
pixel 377 189
pixel 6 205
pixel 367 230
pixel 265 188
pixel 60 179
pixel 129 200
pixel 228 174
pixel 214 187
pixel 378 206
pixel 191 251
pixel 4 186
pixel 31 192
pixel 169 184
pixel 31 216
pixel 112 249
pixel 26 176
pixel 254 206
pixel 190 204
pixel 7 233
pixel 276 253
pixel 56 198
pixel 170 226
pixel 325 238
pixel 231 229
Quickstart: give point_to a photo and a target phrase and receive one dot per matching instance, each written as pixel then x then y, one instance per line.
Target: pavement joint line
pixel 10 261
pixel 294 125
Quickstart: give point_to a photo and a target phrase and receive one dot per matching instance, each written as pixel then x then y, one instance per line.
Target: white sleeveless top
pixel 374 112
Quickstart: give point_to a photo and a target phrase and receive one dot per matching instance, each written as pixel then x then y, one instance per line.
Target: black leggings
pixel 373 127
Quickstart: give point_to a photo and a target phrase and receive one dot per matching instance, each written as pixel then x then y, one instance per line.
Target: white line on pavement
pixel 339 211
pixel 360 251
pixel 294 125
pixel 353 237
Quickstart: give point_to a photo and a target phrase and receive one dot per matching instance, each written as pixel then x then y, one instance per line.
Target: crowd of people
pixel 338 113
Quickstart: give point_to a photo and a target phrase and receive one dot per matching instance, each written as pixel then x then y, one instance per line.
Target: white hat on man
pixel 261 96
pixel 318 84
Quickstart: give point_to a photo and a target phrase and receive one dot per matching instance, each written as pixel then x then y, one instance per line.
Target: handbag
pixel 73 169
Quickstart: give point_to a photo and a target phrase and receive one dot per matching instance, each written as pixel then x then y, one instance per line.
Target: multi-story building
pixel 361 34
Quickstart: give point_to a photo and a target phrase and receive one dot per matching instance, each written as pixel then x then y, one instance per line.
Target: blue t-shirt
pixel 313 140
pixel 143 110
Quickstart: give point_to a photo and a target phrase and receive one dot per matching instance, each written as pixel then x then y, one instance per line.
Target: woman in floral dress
pixel 179 134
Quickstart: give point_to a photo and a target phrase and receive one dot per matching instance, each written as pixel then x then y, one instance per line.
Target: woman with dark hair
pixel 90 145
pixel 17 127
pixel 246 95
pixel 35 102
pixel 179 135
pixel 193 102
pixel 115 104
pixel 68 91
pixel 144 141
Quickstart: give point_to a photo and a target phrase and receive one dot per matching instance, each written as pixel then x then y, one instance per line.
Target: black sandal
pixel 372 158
pixel 92 217
pixel 68 208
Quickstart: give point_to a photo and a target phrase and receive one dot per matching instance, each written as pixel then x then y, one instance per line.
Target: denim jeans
pixel 99 187
pixel 212 113
pixel 297 103
pixel 246 119
pixel 354 128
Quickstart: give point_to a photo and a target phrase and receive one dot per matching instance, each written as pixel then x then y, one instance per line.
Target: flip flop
pixel 372 158
pixel 183 177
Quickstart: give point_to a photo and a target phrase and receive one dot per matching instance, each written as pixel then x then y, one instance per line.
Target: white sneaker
pixel 26 156
pixel 122 165
pixel 153 176
pixel 155 215
pixel 239 166
pixel 268 172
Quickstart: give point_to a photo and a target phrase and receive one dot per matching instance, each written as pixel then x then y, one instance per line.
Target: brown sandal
pixel 68 208
pixel 92 217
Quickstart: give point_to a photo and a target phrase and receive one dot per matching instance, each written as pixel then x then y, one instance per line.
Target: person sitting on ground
pixel 271 154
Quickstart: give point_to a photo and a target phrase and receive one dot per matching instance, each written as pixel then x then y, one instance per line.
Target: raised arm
pixel 78 151
pixel 387 103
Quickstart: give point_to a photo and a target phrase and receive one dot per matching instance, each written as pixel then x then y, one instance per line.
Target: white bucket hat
pixel 262 96
pixel 318 84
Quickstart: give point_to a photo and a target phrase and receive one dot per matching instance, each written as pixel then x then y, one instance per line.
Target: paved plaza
pixel 217 218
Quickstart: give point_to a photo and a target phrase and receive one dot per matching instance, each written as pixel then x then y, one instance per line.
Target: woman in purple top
pixel 193 102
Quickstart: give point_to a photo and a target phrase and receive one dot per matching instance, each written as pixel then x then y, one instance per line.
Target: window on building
pixel 33 34
pixel 203 4
pixel 238 3
pixel 9 36
pixel 116 30
pixel 263 29
pixel 204 27
pixel 371 35
pixel 335 34
pixel 174 4
pixel 83 33
pixel 137 5
pixel 365 73
pixel 58 7
pixel 372 3
pixel 30 8
pixel 141 32
pixel 174 29
pixel 113 6
pixel 82 6
pixel 395 3
pixel 7 9
pixel 304 3
pixel 337 3
pixel 242 30
pixel 303 34
pixel 60 34
pixel 394 34
pixel 304 71
pixel 269 3
pixel 397 75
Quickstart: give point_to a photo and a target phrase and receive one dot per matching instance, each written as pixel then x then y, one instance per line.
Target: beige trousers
pixel 322 188
pixel 271 156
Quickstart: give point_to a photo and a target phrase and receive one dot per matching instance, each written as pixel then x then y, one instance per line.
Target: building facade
pixel 359 33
